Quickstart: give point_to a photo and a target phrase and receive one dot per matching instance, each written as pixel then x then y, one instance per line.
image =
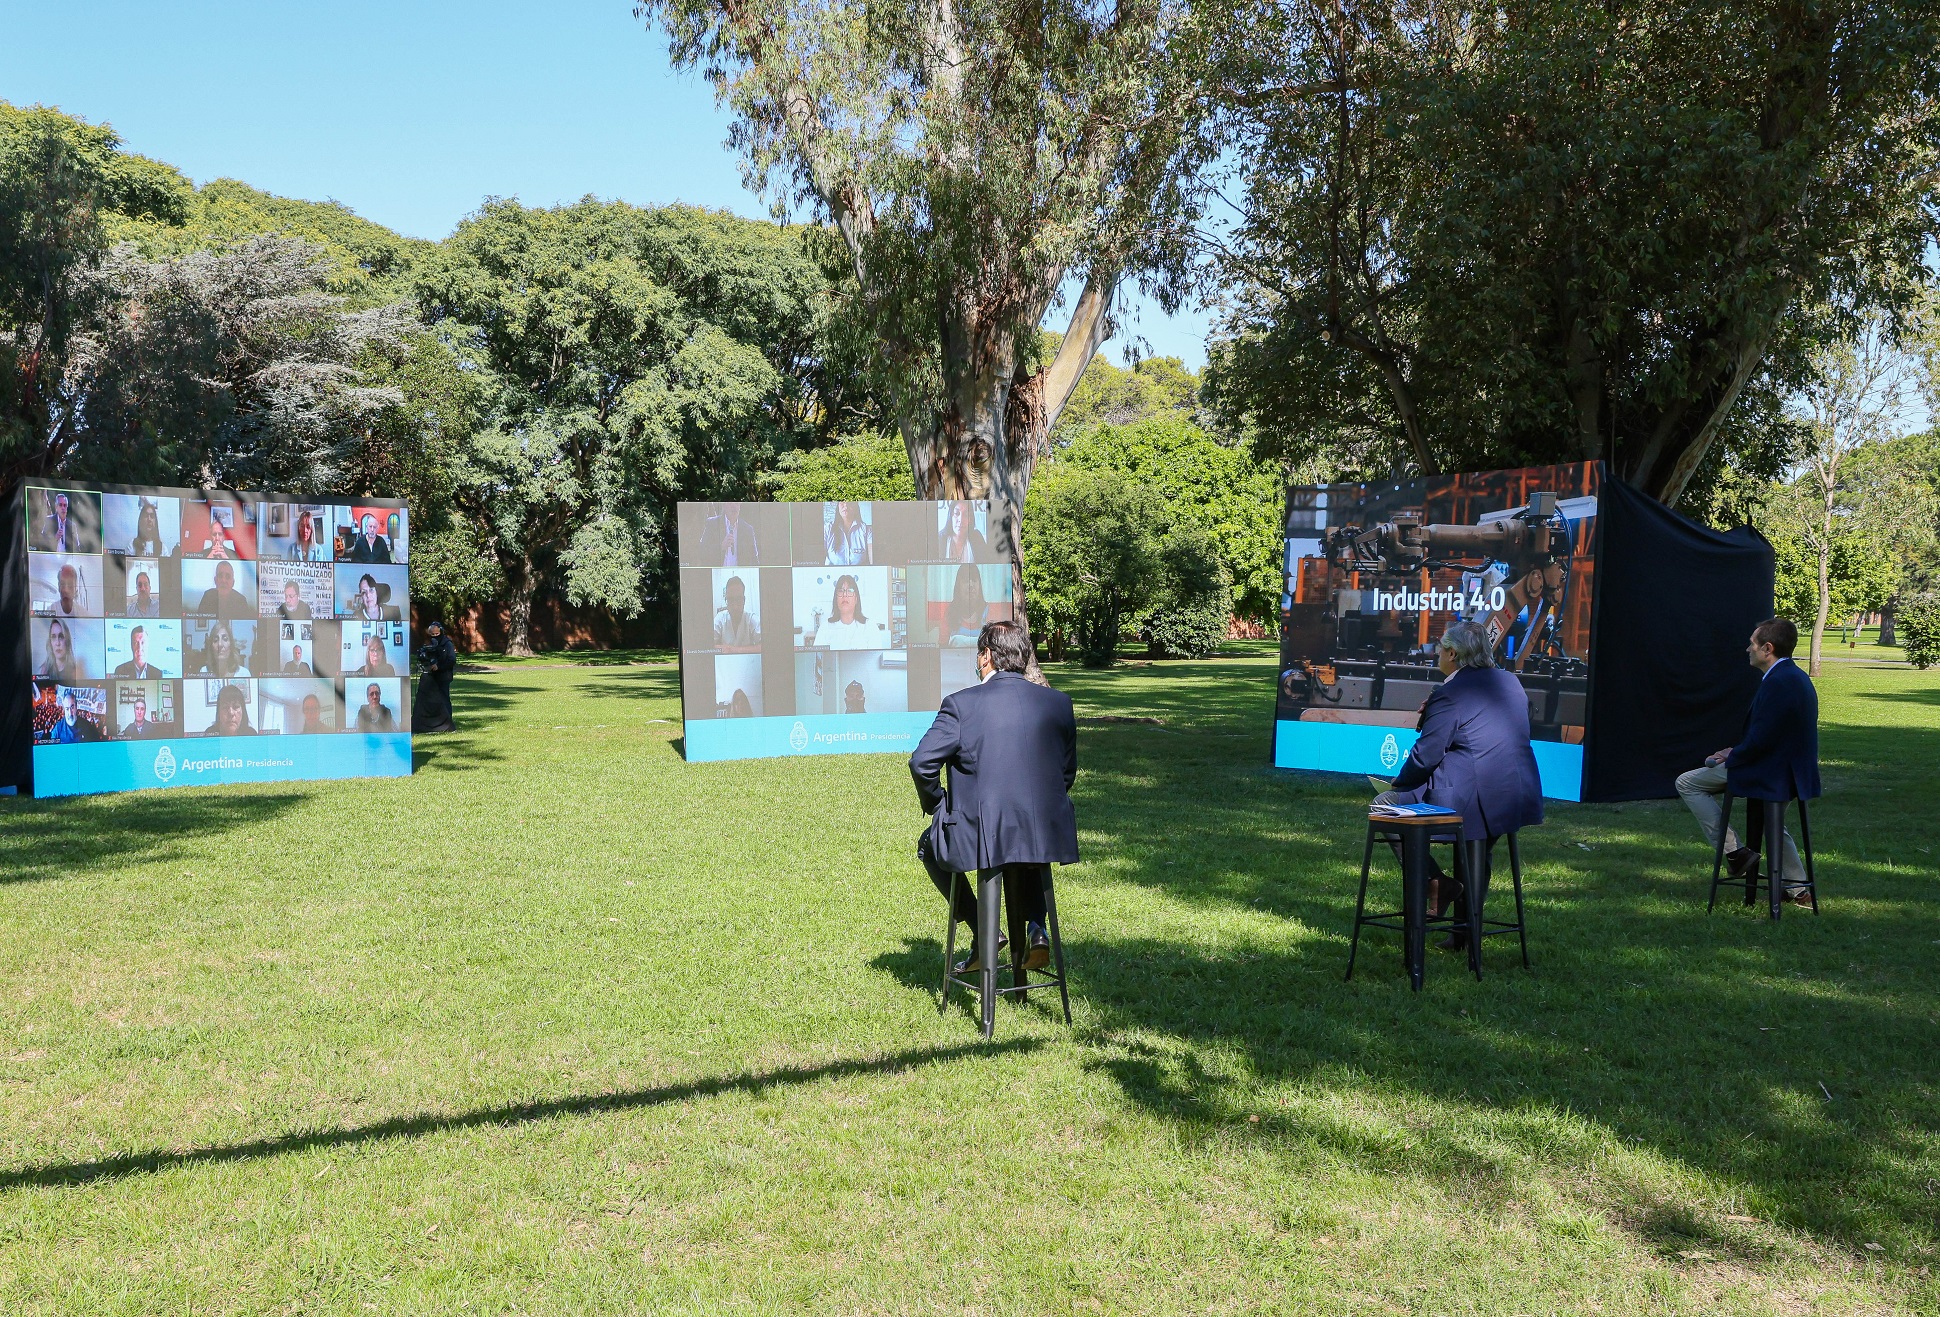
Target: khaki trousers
pixel 1703 791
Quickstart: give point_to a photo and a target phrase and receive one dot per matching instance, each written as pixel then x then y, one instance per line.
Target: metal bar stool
pixel 1769 866
pixel 1415 835
pixel 990 885
pixel 1479 862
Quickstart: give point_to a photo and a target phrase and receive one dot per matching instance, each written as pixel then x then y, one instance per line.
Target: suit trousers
pixel 1703 791
pixel 1023 886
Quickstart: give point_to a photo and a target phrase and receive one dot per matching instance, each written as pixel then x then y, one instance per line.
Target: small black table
pixel 1414 833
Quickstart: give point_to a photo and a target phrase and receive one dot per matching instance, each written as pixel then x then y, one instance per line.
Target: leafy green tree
pixel 1108 395
pixel 1920 630
pixel 973 160
pixel 856 466
pixel 1190 615
pixel 631 359
pixel 61 181
pixel 1473 236
pixel 1220 488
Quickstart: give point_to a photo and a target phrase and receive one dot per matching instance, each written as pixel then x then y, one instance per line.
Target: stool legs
pixel 1774 856
pixel 1360 903
pixel 1414 899
pixel 1717 860
pixel 1515 874
pixel 1811 878
pixel 949 955
pixel 1057 941
pixel 1475 890
pixel 987 901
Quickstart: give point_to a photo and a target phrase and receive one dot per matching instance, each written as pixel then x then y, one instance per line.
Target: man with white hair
pixel 1472 756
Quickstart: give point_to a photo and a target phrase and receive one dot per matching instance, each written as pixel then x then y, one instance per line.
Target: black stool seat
pixel 1471 857
pixel 985 984
pixel 1770 865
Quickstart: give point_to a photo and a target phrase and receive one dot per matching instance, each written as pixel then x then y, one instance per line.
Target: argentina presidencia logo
pixel 164 764
pixel 1390 752
pixel 798 738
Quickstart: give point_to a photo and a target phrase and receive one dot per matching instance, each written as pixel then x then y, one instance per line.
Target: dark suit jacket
pixel 1474 755
pixel 379 550
pixel 1012 750
pixel 714 543
pixel 1777 758
pixel 225 603
pixel 139 672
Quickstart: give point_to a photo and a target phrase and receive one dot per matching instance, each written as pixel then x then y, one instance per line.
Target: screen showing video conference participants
pixel 161 615
pixel 830 627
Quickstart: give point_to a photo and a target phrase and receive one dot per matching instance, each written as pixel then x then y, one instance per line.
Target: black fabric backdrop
pixel 1675 604
pixel 16 649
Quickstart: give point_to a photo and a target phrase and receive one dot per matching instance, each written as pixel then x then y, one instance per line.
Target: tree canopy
pixel 1477 237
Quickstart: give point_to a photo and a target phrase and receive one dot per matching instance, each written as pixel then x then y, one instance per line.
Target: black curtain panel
pixel 16 649
pixel 1675 603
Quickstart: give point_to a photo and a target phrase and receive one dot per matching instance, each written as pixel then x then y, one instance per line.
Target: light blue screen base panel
pixel 72 770
pixel 1346 748
pixel 818 734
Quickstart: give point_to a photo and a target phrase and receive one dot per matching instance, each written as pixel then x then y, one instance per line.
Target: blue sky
pixel 409 112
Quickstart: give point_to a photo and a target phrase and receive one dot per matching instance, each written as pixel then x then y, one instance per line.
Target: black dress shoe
pixel 973 963
pixel 1040 953
pixel 1741 862
pixel 1453 942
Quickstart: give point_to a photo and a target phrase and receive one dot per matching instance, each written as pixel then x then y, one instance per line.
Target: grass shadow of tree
pixel 58 838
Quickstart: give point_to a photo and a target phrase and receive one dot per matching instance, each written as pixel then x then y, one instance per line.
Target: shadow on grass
pixel 522 1113
pixel 62 837
pixel 642 684
pixel 1931 695
pixel 1770 1056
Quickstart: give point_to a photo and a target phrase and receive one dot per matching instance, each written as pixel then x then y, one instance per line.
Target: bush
pixel 1918 623
pixel 1094 556
pixel 1189 618
pixel 855 466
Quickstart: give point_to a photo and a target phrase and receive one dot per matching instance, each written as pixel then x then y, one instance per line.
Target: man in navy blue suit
pixel 1472 756
pixel 1776 758
pixel 1011 746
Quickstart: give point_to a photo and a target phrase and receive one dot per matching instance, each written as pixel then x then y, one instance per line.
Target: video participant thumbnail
pixel 864 681
pixel 141 525
pixel 140 587
pixel 298 532
pixel 218 647
pixel 218 707
pixel 372 594
pixel 371 535
pixel 372 649
pixel 737 686
pixel 305 649
pixel 144 650
pixel 958 600
pixel 221 588
pixel 843 608
pixel 65 584
pixel 69 715
pixel 219 526
pixel 297 706
pixel 68 650
pixel 145 709
pixel 378 702
pixel 63 520
pixel 734 535
pixel 963 532
pixel 295 590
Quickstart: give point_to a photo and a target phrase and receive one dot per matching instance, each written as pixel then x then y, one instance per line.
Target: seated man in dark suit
pixel 1472 756
pixel 1012 750
pixel 1776 758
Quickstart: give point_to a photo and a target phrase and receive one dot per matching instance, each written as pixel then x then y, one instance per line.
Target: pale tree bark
pixel 520 583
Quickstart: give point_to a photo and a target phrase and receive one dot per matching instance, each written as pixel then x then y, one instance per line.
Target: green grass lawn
pixel 563 1024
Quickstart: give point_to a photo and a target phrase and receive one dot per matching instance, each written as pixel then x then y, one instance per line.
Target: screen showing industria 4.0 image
pixel 830 628
pixel 186 637
pixel 1376 573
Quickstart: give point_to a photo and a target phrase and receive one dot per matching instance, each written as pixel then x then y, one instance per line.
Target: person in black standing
pixel 437 661
pixel 1011 747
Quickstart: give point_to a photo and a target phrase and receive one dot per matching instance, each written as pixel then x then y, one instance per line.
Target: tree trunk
pixel 1825 603
pixel 1885 636
pixel 519 586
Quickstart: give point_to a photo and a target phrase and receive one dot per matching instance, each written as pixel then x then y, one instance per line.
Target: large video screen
pixel 1376 573
pixel 185 637
pixel 830 628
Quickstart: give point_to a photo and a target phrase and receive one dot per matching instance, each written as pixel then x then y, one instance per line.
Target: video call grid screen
pixel 830 627
pixel 1375 573
pixel 160 614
